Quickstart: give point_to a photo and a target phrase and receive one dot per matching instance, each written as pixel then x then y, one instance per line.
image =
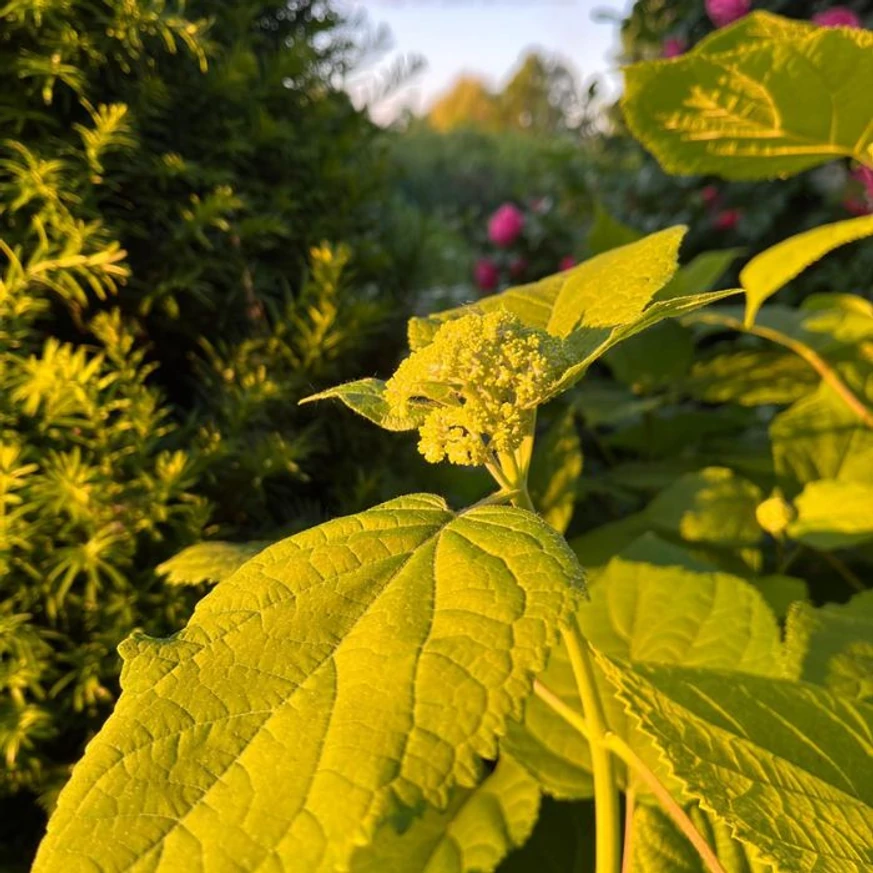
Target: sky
pixel 488 37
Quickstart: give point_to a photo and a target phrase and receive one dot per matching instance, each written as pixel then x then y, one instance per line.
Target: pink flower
pixel 517 267
pixel 505 225
pixel 857 206
pixel 727 219
pixel 724 12
pixel 710 196
pixel 567 262
pixel 673 47
pixel 837 16
pixel 486 274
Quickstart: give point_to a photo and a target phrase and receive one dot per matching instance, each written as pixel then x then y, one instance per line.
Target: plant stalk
pixel 627 755
pixel 827 373
pixel 607 810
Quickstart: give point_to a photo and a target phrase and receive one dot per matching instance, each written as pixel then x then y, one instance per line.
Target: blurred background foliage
pixel 198 228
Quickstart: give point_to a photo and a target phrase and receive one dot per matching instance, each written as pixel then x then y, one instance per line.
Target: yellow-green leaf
pixel 367 398
pixel 615 287
pixel 833 514
pixel 658 846
pixel 787 766
pixel 730 106
pixel 341 675
pixel 775 267
pixel 208 562
pixel 712 506
pixel 817 637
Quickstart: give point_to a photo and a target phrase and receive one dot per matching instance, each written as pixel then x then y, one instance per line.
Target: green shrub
pixel 170 175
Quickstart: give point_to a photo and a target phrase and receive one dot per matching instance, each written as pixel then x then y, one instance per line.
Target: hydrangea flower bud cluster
pixel 473 385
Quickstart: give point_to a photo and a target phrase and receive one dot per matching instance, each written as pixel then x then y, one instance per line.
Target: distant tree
pixel 468 103
pixel 543 96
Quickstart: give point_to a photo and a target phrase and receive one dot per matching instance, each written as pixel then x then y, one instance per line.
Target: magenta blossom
pixel 727 219
pixel 486 274
pixel 837 16
pixel 673 47
pixel 724 12
pixel 505 225
pixel 567 262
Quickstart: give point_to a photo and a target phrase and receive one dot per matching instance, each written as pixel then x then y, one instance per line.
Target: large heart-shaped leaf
pixel 819 437
pixel 788 766
pixel 343 674
pixel 730 106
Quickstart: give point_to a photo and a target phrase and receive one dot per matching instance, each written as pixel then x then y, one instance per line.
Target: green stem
pixel 622 750
pixel 607 812
pixel 496 499
pixel 630 802
pixel 573 718
pixel 500 478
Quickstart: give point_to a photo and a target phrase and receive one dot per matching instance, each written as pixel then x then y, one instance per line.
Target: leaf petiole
pixel 623 751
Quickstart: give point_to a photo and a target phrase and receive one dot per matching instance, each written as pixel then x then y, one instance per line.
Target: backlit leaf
pixel 340 676
pixel 208 562
pixel 713 506
pixel 730 106
pixel 752 378
pixel 833 514
pixel 819 437
pixel 660 847
pixel 786 765
pixel 367 398
pixel 775 267
pixel 815 637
